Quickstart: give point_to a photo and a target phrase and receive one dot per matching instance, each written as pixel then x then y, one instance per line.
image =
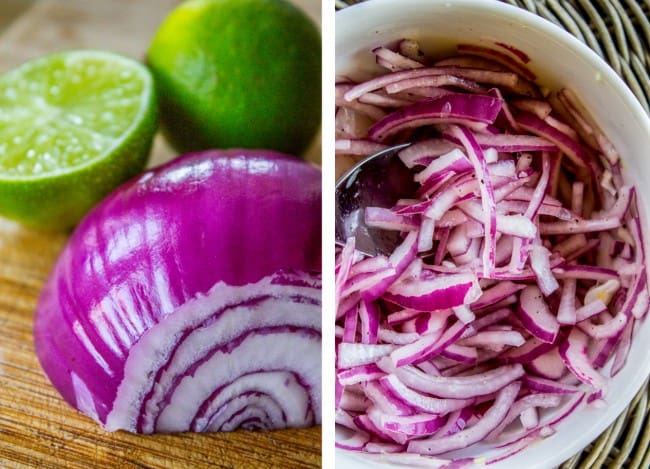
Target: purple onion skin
pixel 162 238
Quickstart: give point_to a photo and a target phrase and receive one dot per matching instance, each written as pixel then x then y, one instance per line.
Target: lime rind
pixel 238 73
pixel 43 94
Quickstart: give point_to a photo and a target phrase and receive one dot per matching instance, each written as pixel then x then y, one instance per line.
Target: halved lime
pixel 73 126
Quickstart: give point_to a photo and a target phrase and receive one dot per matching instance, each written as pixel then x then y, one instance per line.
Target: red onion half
pixel 521 276
pixel 189 299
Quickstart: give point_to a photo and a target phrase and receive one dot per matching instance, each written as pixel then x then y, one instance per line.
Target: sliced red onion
pixel 475 155
pixel 522 266
pixel 500 57
pixel 542 109
pixel 469 61
pixel 570 244
pixel 369 316
pixel 367 280
pixel 354 124
pixel 549 365
pixel 383 218
pixel 420 401
pixel 536 316
pixel 359 146
pixel 394 60
pixel 357 354
pixel 460 353
pixel 383 81
pixel 398 338
pixel 459 387
pixel 352 402
pixel 410 49
pixel 342 417
pixel 623 349
pixel 486 320
pixel 363 265
pixel 490 339
pixel 464 313
pixel 578 226
pixel 412 425
pixel 545 385
pixel 386 403
pixel 384 100
pixel 541 265
pixel 436 293
pixel 606 330
pixel 425 152
pixel 584 272
pixel 425 235
pixel 427 346
pixel 500 291
pixel 566 143
pixel 466 78
pixel 514 143
pixel 589 310
pixel 640 308
pixel 520 406
pixel 399 261
pixel 574 353
pixel 516 225
pixel 346 260
pixel 360 374
pixel 355 442
pixel 454 161
pixel 367 425
pixel 588 128
pixel 495 414
pixel 566 314
pixel 456 107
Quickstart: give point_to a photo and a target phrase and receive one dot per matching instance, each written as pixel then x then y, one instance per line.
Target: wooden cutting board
pixel 37 428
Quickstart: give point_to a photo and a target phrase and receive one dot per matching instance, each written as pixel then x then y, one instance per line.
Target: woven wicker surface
pixel 619 31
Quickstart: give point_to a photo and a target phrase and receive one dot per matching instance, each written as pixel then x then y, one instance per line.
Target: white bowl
pixel 559 59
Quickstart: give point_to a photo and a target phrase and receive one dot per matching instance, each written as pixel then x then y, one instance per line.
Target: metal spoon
pixel 379 180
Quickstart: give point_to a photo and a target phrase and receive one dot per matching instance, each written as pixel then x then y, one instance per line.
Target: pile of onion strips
pixel 521 273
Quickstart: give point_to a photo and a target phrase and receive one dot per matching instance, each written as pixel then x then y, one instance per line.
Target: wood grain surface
pixel 37 428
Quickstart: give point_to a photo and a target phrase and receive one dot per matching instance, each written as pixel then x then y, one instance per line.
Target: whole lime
pixel 73 126
pixel 238 73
